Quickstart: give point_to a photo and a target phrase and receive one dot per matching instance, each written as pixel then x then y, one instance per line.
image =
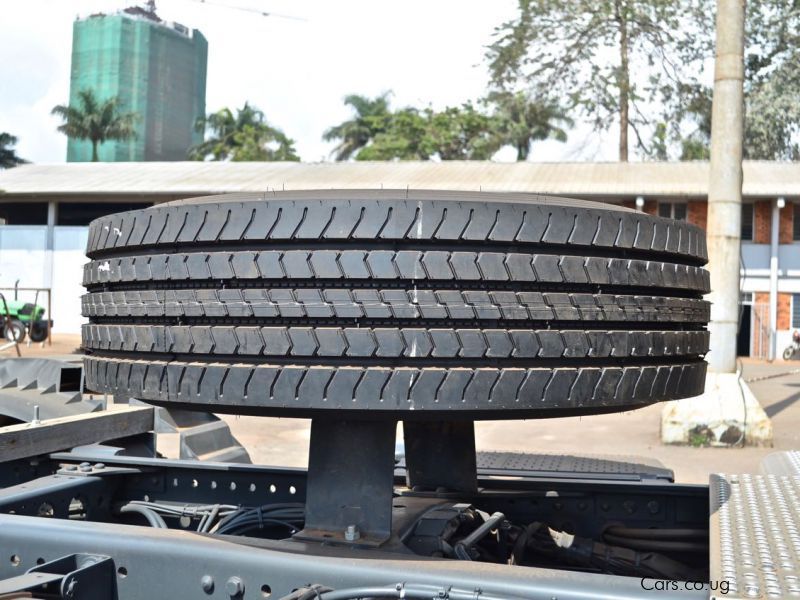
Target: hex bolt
pixel 207 583
pixel 100 466
pixel 70 591
pixel 351 533
pixel 85 468
pixel 71 468
pixel 653 507
pixel 234 586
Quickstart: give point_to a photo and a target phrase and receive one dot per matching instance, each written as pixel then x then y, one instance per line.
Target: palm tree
pixel 95 120
pixel 523 120
pixel 246 136
pixel 370 119
pixel 8 156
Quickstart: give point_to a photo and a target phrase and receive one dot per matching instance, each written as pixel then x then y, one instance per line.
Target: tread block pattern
pixel 287 390
pixel 393 303
pixel 293 302
pixel 424 216
pixel 322 342
pixel 404 264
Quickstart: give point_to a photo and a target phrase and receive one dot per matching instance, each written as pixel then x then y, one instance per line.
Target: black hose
pixel 152 516
pixel 656 545
pixel 655 534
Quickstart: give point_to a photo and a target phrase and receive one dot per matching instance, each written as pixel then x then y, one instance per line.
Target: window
pixel 747 222
pixel 23 213
pixel 672 210
pixel 796 221
pixel 795 311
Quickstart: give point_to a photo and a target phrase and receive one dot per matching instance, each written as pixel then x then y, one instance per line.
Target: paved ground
pixel 636 433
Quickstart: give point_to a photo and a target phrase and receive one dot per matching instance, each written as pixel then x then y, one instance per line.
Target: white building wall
pixel 24 257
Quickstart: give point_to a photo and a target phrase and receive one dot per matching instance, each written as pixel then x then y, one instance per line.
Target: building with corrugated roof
pixel 44 210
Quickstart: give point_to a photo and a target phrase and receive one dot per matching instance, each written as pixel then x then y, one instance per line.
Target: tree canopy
pixel 609 61
pixel 8 155
pixel 370 118
pixel 639 65
pixel 244 136
pixel 771 88
pixel 96 120
pixel 377 132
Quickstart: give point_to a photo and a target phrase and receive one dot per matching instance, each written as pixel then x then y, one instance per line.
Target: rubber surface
pixel 465 305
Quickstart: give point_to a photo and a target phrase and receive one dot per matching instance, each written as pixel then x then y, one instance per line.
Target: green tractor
pixel 19 318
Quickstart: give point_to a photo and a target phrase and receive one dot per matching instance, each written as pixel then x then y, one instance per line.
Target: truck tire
pixel 395 304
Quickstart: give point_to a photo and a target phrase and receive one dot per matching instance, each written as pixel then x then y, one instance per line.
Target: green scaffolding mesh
pixel 158 71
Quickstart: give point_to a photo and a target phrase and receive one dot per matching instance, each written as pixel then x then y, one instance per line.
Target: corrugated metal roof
pixel 761 179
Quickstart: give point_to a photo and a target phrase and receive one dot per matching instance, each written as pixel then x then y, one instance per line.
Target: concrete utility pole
pixel 725 185
pixel 727 410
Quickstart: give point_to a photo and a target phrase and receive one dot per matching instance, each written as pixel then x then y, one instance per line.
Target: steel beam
pixel 28 439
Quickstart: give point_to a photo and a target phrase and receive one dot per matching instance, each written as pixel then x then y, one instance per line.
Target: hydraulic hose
pixel 152 516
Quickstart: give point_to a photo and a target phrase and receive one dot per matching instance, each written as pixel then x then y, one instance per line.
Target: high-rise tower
pixel 156 68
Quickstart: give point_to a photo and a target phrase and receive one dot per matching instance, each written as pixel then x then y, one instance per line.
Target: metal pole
pixel 773 275
pixel 725 185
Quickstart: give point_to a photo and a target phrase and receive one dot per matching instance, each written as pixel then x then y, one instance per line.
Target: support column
pixel 441 455
pixel 350 482
pixel 727 413
pixel 725 185
pixel 52 216
pixel 773 275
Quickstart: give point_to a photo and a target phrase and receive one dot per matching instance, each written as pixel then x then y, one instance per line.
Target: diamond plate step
pixel 755 535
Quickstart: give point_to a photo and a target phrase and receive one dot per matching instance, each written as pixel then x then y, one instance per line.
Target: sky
pixel 427 53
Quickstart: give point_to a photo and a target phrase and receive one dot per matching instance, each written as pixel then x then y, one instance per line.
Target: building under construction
pixel 158 71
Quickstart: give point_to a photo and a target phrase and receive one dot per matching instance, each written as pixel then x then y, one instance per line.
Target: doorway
pixel 745 322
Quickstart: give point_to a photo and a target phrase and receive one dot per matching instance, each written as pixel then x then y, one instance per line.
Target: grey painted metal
pixel 781 463
pixel 23 440
pixel 755 535
pixel 725 185
pixel 75 577
pixel 573 466
pixel 440 454
pixel 51 383
pixel 350 481
pixel 176 564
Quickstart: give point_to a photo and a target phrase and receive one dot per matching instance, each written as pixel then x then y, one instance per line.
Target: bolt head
pixel 71 468
pixel 351 533
pixel 207 583
pixel 100 466
pixel 85 468
pixel 234 586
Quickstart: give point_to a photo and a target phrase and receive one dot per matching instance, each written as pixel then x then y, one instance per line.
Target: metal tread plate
pixel 519 464
pixel 781 463
pixel 755 535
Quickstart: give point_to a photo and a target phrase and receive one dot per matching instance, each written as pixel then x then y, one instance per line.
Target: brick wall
pixel 697 213
pixel 784 308
pixel 786 223
pixel 762 219
pixel 784 311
